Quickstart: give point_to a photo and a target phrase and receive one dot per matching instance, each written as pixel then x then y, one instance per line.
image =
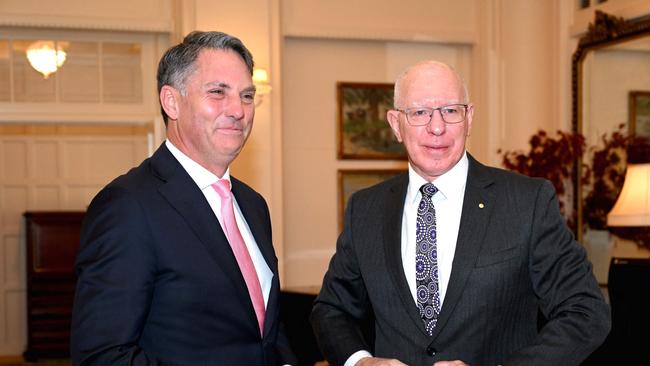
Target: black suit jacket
pixel 514 255
pixel 158 283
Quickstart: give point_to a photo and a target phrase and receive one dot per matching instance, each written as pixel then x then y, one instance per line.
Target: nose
pixel 436 125
pixel 234 108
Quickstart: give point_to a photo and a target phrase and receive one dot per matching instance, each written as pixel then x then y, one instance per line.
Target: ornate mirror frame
pixel 606 30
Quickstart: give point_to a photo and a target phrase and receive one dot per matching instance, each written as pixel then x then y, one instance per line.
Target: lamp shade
pixel 632 208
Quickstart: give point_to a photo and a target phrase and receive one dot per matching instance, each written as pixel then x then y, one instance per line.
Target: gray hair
pixel 178 62
pixel 400 79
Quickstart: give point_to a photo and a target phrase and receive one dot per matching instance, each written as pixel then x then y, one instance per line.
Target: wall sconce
pixel 261 81
pixel 632 208
pixel 45 57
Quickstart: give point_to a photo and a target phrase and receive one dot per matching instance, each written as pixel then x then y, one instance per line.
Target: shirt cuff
pixel 352 360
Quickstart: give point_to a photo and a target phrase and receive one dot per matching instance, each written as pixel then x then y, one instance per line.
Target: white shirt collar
pixel 200 175
pixel 451 184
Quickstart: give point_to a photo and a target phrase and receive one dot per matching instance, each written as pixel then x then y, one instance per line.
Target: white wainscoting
pixel 50 170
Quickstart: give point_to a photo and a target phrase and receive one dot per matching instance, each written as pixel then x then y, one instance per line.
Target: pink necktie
pixel 239 248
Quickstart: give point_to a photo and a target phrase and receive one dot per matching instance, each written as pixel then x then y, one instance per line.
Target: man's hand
pixel 450 363
pixel 376 361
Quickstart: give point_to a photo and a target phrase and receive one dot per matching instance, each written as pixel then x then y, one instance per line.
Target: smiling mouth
pixel 435 148
pixel 230 130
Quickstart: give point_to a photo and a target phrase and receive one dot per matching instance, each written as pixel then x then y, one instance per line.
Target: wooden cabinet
pixel 295 307
pixel 52 243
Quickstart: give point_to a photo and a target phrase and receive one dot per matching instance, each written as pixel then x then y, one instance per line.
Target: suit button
pixel 431 351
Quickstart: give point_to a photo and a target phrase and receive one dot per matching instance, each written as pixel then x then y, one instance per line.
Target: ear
pixel 169 100
pixel 393 120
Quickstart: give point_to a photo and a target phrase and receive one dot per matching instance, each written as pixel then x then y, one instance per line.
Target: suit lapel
pixel 258 222
pixel 477 206
pixel 187 199
pixel 392 245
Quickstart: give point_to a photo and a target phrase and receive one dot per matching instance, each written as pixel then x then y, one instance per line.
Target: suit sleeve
pixel 115 276
pixel 578 317
pixel 342 305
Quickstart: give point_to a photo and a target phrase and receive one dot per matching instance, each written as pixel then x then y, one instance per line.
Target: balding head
pixel 429 72
pixel 425 91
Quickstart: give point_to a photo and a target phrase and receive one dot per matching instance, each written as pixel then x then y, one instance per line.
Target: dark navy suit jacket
pixel 158 283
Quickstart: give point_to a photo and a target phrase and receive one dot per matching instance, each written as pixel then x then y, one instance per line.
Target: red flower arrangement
pixel 552 158
pixel 608 171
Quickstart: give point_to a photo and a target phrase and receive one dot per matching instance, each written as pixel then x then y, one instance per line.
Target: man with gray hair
pixel 176 264
pixel 451 262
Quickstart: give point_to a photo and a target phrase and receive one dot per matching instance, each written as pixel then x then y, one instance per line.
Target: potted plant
pixel 607 176
pixel 553 158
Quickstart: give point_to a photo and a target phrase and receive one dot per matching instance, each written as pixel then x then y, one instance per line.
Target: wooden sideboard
pixel 295 307
pixel 52 243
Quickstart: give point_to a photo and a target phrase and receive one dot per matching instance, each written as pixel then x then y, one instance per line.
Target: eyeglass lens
pixel 453 113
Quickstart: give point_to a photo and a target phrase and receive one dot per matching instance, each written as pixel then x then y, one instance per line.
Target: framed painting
pixel 363 131
pixel 352 180
pixel 640 114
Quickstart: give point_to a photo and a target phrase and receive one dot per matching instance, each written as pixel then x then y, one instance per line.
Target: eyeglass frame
pixel 433 110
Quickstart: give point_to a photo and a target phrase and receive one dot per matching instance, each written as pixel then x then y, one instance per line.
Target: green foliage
pixel 373 134
pixel 364 119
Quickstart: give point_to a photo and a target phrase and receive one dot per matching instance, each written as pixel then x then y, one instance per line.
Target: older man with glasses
pixel 452 262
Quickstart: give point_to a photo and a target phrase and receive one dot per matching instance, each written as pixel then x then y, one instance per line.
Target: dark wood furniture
pixel 295 307
pixel 627 342
pixel 628 285
pixel 52 243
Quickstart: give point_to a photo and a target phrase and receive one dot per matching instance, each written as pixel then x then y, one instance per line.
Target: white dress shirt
pixel 204 180
pixel 448 202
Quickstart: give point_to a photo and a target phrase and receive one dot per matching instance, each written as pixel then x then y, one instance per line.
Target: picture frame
pixel 352 180
pixel 639 113
pixel 363 131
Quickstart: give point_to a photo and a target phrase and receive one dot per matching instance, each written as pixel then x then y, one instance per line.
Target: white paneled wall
pixel 64 138
pixel 48 172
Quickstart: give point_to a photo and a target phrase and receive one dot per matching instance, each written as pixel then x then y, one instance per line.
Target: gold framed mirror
pixel 610 63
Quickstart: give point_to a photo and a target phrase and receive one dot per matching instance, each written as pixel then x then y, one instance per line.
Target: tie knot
pixel 222 186
pixel 428 190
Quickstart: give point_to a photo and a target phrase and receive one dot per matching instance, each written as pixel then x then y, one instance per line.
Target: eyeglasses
pixel 452 113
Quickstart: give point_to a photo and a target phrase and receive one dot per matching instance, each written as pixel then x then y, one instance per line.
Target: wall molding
pixel 118 15
pixel 429 21
pixel 92 23
pixel 626 9
pixel 68 117
pixel 442 37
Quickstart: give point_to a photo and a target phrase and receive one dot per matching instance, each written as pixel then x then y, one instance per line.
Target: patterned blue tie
pixel 426 260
